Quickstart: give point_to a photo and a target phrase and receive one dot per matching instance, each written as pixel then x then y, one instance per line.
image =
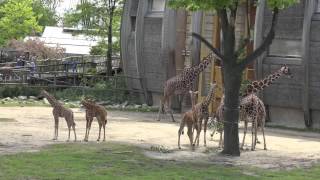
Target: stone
pixel 45 100
pixel 32 97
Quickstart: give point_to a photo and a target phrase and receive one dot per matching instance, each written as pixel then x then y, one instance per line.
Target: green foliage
pixel 194 5
pixel 14 91
pixel 94 18
pixel 17 20
pixel 45 15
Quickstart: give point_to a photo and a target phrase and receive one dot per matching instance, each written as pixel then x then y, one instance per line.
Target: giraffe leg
pixel 264 139
pixel 69 129
pixel 180 131
pixel 199 132
pixel 244 132
pixel 254 134
pixel 190 135
pixel 56 125
pixel 74 132
pixel 87 126
pixel 220 141
pixel 205 130
pixel 161 110
pixel 104 131
pixel 100 126
pixel 170 110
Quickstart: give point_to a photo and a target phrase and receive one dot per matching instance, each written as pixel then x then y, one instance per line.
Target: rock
pixel 137 106
pixel 144 105
pixel 45 100
pixel 117 106
pixel 32 97
pixel 7 99
pixel 125 104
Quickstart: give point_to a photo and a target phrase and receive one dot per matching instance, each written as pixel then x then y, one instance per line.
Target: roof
pixel 64 37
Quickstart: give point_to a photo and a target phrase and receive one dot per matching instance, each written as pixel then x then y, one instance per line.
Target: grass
pixel 117 161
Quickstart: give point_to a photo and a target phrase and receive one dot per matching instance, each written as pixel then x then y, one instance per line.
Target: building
pixel 155 40
pixel 71 39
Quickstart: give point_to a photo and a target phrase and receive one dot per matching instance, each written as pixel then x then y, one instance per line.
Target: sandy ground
pixel 27 129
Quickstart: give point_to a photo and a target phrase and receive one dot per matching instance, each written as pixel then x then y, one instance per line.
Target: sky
pixel 66 5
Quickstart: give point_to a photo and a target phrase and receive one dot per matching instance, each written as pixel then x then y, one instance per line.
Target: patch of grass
pixel 7 120
pixel 116 161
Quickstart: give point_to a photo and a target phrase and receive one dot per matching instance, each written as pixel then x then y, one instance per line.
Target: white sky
pixel 66 5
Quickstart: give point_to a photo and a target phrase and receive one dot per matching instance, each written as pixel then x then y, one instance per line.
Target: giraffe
pixel 181 84
pixel 60 111
pixel 189 120
pixel 250 89
pixel 217 121
pixel 202 113
pixel 252 108
pixel 98 111
pixel 256 86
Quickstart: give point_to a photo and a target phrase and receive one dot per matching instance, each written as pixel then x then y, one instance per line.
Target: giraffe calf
pixel 98 111
pixel 188 119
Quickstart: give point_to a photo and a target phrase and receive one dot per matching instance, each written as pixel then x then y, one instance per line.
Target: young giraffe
pixel 189 120
pixel 98 111
pixel 202 113
pixel 252 107
pixel 217 121
pixel 181 84
pixel 60 111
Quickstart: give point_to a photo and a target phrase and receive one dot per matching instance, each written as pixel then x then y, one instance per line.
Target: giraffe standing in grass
pixel 60 111
pixel 181 84
pixel 98 111
pixel 202 113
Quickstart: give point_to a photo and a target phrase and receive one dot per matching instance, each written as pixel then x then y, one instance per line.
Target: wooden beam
pixel 308 12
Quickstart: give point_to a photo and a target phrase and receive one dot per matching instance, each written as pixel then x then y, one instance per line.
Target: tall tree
pixel 100 18
pixel 17 20
pixel 234 63
pixel 46 15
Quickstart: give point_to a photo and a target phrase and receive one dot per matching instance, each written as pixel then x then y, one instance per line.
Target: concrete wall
pixel 285 97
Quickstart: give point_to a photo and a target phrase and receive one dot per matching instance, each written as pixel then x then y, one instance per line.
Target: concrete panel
pixel 315 29
pixel 315 114
pixel 288 117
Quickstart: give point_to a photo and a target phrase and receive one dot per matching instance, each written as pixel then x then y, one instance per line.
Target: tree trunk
pixel 232 82
pixel 109 50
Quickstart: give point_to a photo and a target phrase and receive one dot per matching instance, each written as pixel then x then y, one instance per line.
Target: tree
pixel 234 63
pixel 45 12
pixel 36 48
pixel 100 18
pixel 17 20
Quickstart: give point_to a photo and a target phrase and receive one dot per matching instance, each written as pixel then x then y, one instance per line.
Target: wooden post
pixel 54 81
pixel 308 12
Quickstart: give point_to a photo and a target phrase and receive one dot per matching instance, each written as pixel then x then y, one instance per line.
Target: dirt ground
pixel 27 129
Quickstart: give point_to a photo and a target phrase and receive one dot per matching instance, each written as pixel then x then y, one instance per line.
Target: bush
pixel 14 91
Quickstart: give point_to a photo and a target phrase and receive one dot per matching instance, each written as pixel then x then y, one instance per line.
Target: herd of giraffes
pixel 252 108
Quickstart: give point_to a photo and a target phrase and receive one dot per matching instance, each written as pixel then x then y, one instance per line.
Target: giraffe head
pixel 43 93
pixel 286 71
pixel 193 95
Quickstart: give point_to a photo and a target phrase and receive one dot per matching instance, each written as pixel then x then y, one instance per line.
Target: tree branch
pixel 265 44
pixel 217 53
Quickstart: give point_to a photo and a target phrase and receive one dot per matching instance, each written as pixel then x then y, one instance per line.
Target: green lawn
pixel 116 161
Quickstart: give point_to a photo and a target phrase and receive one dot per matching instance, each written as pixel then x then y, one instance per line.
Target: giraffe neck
pixel 209 97
pixel 257 86
pixel 52 100
pixel 203 64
